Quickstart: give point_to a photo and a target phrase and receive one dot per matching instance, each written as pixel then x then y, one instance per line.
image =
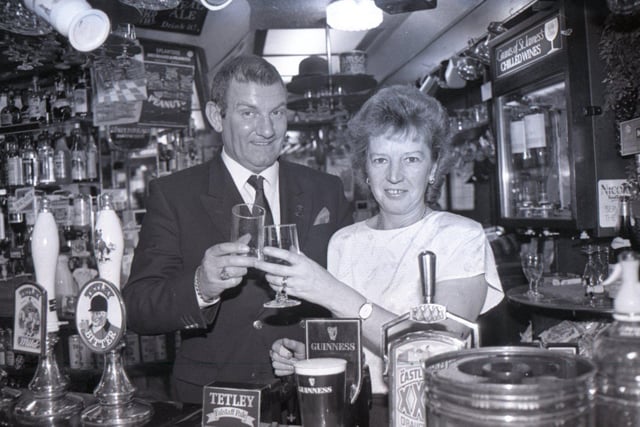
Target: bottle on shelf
pixel 24 105
pixel 4 97
pixel 535 125
pixel 624 241
pixel 61 159
pixel 81 94
pixel 92 157
pixel 61 105
pixel 519 154
pixel 81 226
pixel 29 156
pixel 35 101
pixel 13 162
pixel 65 286
pixel 46 159
pixel 10 356
pixel 615 353
pixel 10 114
pixel 46 108
pixel 78 155
pixel 3 361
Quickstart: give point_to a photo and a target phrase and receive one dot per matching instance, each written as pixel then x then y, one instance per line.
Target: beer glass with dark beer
pixel 322 391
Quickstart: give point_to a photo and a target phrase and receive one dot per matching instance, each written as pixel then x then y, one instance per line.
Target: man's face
pixel 254 125
pixel 98 318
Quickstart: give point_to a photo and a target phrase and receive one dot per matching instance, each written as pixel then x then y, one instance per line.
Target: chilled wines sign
pixel 523 50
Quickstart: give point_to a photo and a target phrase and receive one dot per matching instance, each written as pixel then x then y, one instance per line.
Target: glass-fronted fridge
pixel 556 147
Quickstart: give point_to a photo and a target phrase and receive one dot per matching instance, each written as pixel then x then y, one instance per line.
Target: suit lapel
pixel 295 202
pixel 221 196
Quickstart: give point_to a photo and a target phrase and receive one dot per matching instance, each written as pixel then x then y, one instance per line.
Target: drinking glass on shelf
pixel 248 219
pixel 532 267
pixel 283 236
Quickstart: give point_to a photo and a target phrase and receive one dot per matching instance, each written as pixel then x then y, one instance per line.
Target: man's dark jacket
pixel 186 213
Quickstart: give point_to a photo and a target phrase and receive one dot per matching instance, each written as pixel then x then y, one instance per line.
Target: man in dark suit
pixel 187 276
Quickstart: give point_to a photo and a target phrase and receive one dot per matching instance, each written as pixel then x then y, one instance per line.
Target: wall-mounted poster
pixel 170 72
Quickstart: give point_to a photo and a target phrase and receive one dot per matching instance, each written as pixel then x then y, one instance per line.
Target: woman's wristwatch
pixel 365 310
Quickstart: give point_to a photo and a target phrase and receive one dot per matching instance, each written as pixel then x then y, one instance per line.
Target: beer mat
pixel 561 279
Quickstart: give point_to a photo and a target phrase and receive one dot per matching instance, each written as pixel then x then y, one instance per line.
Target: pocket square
pixel 323 217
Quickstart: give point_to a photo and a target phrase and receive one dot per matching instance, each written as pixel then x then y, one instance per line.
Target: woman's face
pixel 398 167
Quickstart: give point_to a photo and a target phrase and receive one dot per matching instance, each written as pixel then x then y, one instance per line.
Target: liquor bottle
pixel 615 352
pixel 29 158
pixel 536 135
pixel 91 155
pixel 45 246
pixel 10 356
pixel 3 361
pixel 62 105
pixel 78 155
pixel 4 98
pixel 15 177
pixel 35 101
pixel 109 242
pixel 519 151
pixel 24 104
pixel 61 159
pixel 81 226
pixel 10 114
pixel 46 159
pixel 81 96
pixel 66 286
pixel 46 108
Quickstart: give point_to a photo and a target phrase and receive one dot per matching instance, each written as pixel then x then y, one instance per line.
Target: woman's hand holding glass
pixel 305 278
pixel 284 236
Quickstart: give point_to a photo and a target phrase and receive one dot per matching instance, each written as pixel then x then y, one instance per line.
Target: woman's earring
pixel 432 181
pixel 367 180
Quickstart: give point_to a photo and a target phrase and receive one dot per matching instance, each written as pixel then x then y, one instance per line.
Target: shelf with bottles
pixel 49 159
pixel 26 108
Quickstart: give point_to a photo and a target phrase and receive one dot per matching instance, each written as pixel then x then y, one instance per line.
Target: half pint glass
pixel 322 391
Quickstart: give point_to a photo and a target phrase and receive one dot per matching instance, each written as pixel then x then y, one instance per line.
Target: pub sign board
pixel 528 47
pixel 187 18
pixel 341 338
pixel 227 404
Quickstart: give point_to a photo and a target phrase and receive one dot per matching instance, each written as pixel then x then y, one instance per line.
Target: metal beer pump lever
pixel 101 322
pixel 49 400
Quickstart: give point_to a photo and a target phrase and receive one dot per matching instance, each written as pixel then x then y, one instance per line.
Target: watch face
pixel 365 310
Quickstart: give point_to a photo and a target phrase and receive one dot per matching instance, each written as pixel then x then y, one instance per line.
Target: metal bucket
pixel 509 386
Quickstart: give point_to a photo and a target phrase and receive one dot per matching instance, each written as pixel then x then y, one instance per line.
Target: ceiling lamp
pixel 215 4
pixel 353 15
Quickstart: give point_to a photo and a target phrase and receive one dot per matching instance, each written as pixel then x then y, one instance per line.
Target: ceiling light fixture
pixel 353 15
pixel 215 4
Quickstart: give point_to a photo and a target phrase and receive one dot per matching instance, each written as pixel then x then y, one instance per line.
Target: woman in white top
pixel 402 144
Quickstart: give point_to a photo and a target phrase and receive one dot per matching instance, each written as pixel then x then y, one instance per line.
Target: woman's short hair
pixel 403 110
pixel 244 69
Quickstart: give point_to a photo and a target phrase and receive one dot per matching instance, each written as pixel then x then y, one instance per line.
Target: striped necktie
pixel 257 182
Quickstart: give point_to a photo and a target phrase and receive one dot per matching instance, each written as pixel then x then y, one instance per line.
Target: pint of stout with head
pixel 322 391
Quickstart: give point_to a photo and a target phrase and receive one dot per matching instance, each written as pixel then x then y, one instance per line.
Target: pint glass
pixel 322 391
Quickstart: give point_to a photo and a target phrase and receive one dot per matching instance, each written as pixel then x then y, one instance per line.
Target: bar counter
pixel 166 414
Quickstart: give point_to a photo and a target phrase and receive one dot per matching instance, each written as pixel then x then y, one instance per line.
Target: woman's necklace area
pixel 380 226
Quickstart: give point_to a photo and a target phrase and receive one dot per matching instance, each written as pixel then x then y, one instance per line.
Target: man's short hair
pixel 244 69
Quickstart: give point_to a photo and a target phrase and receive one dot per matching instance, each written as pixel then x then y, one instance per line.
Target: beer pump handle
pixel 428 275
pixel 45 246
pixel 109 241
